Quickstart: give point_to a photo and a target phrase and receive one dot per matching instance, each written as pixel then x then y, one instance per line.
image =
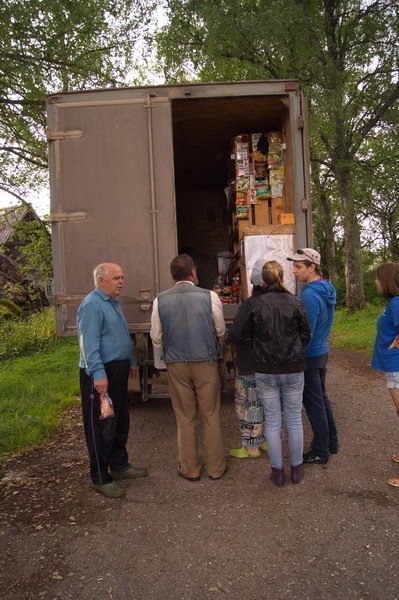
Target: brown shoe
pixel 220 476
pixel 277 476
pixel 297 473
pixel 189 478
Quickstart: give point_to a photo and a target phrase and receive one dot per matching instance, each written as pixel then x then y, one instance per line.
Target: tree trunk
pixel 328 251
pixel 323 225
pixel 355 298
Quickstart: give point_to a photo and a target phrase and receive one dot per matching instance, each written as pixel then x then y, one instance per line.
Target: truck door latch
pixel 145 299
pixel 68 216
pixel 72 134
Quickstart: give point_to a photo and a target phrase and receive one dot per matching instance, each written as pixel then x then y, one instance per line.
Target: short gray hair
pixel 100 271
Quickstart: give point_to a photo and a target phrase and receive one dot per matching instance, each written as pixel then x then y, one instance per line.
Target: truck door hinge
pixel 153 211
pixel 68 216
pixel 300 122
pixel 304 202
pixel 60 300
pixel 71 134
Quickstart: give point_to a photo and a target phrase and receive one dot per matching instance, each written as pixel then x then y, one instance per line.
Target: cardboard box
pixel 287 219
pixel 268 229
pixel 278 207
pixel 262 213
pixel 241 226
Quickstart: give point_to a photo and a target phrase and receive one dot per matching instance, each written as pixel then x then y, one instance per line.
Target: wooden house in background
pixel 23 291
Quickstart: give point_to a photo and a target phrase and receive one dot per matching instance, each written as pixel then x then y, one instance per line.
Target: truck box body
pixel 137 173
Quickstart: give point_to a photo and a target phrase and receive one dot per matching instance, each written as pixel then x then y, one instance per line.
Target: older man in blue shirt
pixel 106 363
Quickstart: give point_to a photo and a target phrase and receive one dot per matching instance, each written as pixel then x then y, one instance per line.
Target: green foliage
pixel 340 286
pixel 36 390
pixel 378 191
pixel 370 262
pixel 47 46
pixel 8 309
pixel 370 290
pixel 35 256
pixel 373 298
pixel 24 335
pixel 356 331
pixel 39 380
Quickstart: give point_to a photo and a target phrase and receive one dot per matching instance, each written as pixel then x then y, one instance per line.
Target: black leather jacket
pixel 277 324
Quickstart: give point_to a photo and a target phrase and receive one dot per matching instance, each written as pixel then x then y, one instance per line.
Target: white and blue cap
pixel 256 275
pixel 306 254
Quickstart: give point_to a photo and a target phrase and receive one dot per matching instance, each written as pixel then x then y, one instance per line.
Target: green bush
pixel 370 291
pixel 340 286
pixel 8 309
pixel 21 335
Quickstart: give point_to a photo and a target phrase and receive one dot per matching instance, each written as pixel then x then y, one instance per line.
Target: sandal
pixel 394 481
pixel 243 453
pixel 395 458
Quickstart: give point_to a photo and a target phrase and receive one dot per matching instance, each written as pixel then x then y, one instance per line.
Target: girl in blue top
pixel 386 347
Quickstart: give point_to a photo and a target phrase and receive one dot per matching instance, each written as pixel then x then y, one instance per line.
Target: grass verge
pixel 356 331
pixel 36 390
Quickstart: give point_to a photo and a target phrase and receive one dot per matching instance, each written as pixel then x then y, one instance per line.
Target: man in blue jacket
pixel 106 363
pixel 319 298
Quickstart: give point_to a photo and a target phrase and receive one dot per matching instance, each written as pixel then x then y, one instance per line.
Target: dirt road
pixel 334 536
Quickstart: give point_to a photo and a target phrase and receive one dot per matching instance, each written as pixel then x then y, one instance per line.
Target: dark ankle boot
pixel 278 477
pixel 297 473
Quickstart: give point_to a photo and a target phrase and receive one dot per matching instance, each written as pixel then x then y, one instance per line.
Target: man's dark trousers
pixel 106 439
pixel 318 407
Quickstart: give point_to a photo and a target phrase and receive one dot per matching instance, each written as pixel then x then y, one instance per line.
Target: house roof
pixel 11 215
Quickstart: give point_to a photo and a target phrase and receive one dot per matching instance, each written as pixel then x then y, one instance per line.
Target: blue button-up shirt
pixel 103 334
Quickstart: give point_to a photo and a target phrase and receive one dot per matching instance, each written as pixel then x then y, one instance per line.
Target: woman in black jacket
pixel 277 325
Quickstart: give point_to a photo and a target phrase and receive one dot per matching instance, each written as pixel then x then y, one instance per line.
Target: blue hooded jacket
pixel 319 298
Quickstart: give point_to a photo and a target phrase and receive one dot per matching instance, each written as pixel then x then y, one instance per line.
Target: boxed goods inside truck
pixel 233 177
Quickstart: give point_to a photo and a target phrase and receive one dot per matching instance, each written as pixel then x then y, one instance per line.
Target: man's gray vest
pixel 185 312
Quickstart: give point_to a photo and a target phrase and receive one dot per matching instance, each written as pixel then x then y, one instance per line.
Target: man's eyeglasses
pixel 304 253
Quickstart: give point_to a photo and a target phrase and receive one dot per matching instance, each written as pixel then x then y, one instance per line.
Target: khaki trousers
pixel 196 385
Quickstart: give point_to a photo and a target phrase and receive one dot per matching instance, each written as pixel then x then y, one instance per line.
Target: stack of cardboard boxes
pixel 261 205
pixel 258 188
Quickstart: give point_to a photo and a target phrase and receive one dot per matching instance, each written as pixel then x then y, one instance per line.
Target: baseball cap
pixel 256 274
pixel 307 254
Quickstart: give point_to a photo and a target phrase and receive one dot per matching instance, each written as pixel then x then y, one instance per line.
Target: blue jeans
pixel 318 407
pixel 276 391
